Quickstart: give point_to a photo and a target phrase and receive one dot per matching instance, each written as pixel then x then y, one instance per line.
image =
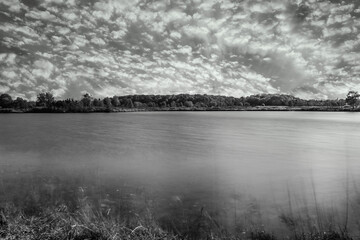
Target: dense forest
pixel 47 103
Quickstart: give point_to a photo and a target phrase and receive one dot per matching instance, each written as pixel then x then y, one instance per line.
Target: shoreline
pixel 185 109
pixel 88 223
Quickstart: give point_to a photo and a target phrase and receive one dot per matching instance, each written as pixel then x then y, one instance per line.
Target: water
pixel 229 163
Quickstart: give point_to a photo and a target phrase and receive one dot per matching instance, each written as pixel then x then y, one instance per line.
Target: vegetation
pixel 91 221
pixel 352 98
pixel 46 103
pixel 61 206
pixel 59 223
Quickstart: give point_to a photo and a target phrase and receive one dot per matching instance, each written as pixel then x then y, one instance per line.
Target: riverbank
pixel 193 109
pixel 48 208
pixel 87 223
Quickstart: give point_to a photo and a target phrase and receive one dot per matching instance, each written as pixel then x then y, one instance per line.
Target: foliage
pixel 46 102
pixel 107 103
pixel 86 100
pixel 352 98
pixel 87 222
pixel 5 100
pixel 115 101
pixel 45 99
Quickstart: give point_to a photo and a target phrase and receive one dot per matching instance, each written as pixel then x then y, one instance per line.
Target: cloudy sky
pixel 310 49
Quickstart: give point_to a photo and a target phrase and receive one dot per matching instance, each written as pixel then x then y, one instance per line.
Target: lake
pixel 243 168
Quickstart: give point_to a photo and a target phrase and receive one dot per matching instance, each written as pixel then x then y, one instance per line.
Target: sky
pixel 310 49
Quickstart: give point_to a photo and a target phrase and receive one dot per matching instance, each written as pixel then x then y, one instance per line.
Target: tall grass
pixel 88 222
pixel 51 208
pixel 314 221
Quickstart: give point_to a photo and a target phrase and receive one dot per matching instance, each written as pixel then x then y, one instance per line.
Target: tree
pixel 115 101
pixel 162 104
pixel 107 103
pixel 151 104
pixel 188 104
pixel 138 105
pixel 86 100
pixel 45 99
pixel 352 98
pixel 129 103
pixel 5 100
pixel 97 102
pixel 20 103
pixel 173 104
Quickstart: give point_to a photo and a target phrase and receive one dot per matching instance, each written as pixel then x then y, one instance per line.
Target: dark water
pixel 233 164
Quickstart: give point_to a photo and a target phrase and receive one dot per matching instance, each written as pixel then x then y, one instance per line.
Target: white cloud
pixel 329 32
pixel 9 74
pixel 4 88
pixel 13 5
pixel 196 31
pixel 59 92
pixel 8 58
pixel 63 30
pixel 341 18
pixel 41 15
pixel 2 56
pixel 341 8
pixel 98 41
pixel 79 41
pixel 118 34
pixel 53 1
pixel 7 27
pixel 105 9
pixel 175 15
pixel 175 35
pixel 70 16
pixel 260 7
pixel 43 68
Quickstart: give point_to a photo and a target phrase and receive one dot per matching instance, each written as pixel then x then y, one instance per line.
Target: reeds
pixel 316 222
pixel 132 213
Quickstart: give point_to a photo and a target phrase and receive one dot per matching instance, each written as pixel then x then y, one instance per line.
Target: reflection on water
pixel 243 167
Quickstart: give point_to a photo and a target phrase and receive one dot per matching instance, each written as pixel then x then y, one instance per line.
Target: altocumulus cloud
pixel 114 47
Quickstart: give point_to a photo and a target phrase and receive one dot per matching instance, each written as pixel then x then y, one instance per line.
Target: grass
pixel 51 208
pixel 89 223
pixel 60 223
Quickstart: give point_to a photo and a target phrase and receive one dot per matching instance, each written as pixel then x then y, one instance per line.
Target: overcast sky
pixel 117 47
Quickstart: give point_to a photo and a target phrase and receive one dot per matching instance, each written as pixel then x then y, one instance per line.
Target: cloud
pixel 113 47
pixel 98 41
pixel 79 41
pixel 43 69
pixel 40 15
pixel 118 34
pixel 25 30
pixel 69 16
pixel 198 32
pixel 4 88
pixel 13 5
pixel 9 58
pixel 337 31
pixel 9 74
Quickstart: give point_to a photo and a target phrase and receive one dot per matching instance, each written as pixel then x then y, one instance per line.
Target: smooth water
pixel 230 163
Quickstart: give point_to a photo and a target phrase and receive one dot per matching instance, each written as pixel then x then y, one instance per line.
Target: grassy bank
pixel 88 223
pixel 49 207
pixel 60 223
pixel 138 217
pixel 165 109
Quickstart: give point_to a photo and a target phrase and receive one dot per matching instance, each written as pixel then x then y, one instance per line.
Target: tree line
pixel 46 102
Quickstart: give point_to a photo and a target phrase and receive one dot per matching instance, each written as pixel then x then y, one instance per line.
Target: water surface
pixel 225 162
